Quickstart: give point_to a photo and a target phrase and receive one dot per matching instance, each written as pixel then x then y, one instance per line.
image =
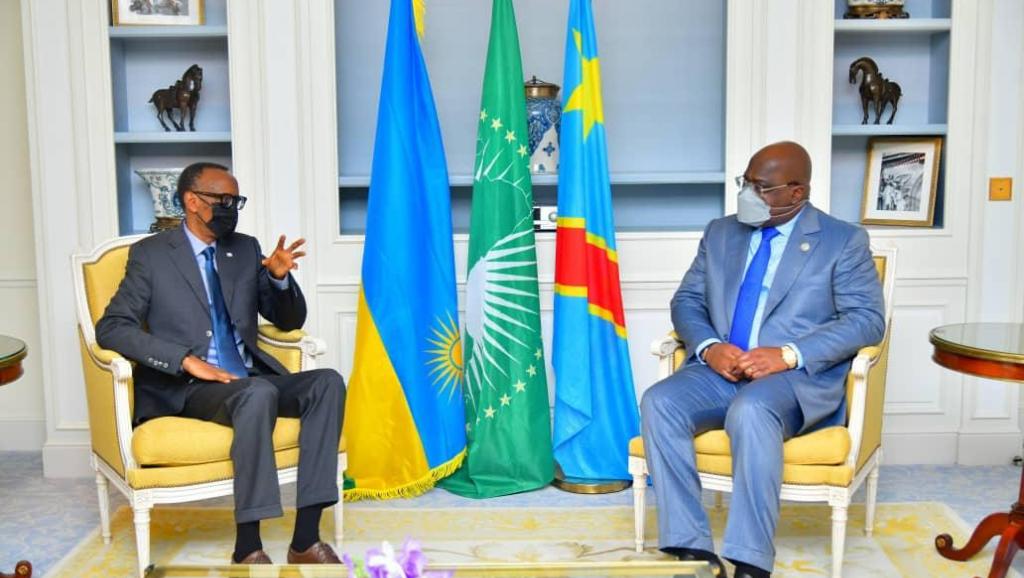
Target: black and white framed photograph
pixel 157 12
pixel 901 181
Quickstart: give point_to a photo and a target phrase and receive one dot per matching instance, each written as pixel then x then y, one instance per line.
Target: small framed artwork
pixel 157 12
pixel 901 181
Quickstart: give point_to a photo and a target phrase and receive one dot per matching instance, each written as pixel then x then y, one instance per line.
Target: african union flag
pixel 404 420
pixel 595 404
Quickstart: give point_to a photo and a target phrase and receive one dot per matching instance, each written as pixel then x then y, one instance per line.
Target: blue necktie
pixel 750 291
pixel 228 358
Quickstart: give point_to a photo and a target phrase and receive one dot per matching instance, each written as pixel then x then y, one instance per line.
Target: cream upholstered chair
pixel 166 460
pixel 827 465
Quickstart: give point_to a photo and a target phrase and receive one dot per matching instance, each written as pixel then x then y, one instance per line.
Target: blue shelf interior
pixel 916 8
pixel 678 207
pixel 664 113
pixel 134 203
pixel 920 64
pixel 143 63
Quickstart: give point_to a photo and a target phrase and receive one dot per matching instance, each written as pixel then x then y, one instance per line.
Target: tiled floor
pixel 42 519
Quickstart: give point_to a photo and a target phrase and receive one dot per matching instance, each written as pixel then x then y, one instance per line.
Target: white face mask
pixel 752 210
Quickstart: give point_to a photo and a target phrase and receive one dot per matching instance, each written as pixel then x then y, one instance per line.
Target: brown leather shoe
pixel 255 557
pixel 319 553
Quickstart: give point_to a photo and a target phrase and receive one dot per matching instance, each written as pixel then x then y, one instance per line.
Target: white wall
pixel 22 418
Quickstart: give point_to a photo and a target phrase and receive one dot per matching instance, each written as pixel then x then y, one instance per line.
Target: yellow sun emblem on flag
pixel 446 357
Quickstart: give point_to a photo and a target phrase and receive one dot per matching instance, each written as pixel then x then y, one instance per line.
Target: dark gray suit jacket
pixel 160 313
pixel 826 299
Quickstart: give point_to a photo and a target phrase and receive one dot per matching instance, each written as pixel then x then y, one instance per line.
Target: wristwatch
pixel 789 356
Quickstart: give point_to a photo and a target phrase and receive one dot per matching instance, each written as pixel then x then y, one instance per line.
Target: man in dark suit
pixel 777 302
pixel 186 313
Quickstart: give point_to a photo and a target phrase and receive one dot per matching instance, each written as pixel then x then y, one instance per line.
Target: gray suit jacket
pixel 826 299
pixel 160 313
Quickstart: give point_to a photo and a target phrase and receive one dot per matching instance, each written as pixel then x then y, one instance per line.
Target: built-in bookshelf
pixel 664 101
pixel 144 59
pixel 914 52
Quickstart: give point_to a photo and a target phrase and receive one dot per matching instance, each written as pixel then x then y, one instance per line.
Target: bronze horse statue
pixel 874 88
pixel 182 95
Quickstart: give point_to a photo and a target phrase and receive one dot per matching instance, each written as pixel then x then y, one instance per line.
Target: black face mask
pixel 223 221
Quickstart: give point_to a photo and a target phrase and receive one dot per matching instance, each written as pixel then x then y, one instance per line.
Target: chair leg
pixel 104 500
pixel 718 500
pixel 142 536
pixel 872 500
pixel 339 521
pixel 838 539
pixel 639 509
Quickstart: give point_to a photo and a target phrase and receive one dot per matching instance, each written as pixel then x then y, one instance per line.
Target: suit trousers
pixel 251 407
pixel 758 416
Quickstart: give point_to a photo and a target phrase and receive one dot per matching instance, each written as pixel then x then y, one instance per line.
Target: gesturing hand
pixel 204 371
pixel 283 260
pixel 722 357
pixel 761 362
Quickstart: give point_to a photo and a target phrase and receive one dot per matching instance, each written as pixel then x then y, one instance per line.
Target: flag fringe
pixel 411 489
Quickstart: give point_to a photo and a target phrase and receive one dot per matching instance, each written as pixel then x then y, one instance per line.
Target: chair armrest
pixel 108 378
pixel 861 371
pixel 283 345
pixel 666 349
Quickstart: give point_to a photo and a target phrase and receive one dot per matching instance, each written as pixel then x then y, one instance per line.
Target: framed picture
pixel 157 12
pixel 901 181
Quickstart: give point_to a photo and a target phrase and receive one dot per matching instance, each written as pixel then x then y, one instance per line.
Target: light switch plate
pixel 1000 189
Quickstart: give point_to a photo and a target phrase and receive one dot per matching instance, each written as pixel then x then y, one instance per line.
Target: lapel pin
pixel 805 247
pixel 230 254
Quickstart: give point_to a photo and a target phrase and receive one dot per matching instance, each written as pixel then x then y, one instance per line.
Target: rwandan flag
pixel 595 404
pixel 404 422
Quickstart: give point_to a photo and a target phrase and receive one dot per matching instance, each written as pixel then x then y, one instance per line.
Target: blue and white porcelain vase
pixel 544 119
pixel 163 184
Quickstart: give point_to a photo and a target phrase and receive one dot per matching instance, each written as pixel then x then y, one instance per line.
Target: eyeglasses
pixel 225 200
pixel 741 182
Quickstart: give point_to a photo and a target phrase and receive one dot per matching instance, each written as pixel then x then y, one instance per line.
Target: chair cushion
pixel 809 457
pixel 199 442
pixel 825 447
pixel 178 476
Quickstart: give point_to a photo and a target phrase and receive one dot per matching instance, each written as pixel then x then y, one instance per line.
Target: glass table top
pixel 637 569
pixel 12 350
pixel 992 341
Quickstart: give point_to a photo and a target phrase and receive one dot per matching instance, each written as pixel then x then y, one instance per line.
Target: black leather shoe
pixel 747 571
pixel 688 555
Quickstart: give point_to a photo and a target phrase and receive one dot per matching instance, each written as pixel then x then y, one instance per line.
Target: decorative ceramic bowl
pixel 543 119
pixel 163 183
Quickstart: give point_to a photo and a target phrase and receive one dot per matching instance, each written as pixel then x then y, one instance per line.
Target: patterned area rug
pixel 902 544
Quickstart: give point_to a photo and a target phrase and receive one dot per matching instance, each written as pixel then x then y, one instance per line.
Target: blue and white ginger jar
pixel 544 119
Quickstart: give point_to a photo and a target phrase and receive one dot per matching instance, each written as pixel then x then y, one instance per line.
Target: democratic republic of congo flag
pixel 404 419
pixel 595 404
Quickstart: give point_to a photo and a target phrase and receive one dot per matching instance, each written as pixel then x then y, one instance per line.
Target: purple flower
pixel 381 563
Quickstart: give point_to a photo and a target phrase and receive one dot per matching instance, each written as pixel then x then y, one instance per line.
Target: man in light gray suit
pixel 772 310
pixel 186 313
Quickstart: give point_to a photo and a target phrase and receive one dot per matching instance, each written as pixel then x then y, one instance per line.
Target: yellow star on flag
pixel 505 399
pixel 520 386
pixel 522 151
pixel 532 371
pixel 483 115
pixel 510 135
pixel 587 95
pixel 538 354
pixel 496 124
pixel 489 412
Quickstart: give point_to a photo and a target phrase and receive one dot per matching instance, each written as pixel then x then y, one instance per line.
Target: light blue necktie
pixel 750 291
pixel 223 332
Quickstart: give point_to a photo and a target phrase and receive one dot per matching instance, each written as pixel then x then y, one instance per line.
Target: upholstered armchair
pixel 170 459
pixel 827 465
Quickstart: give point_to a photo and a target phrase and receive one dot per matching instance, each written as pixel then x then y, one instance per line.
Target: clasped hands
pixel 734 364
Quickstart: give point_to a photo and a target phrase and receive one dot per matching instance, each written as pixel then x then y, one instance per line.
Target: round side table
pixel 995 351
pixel 12 351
